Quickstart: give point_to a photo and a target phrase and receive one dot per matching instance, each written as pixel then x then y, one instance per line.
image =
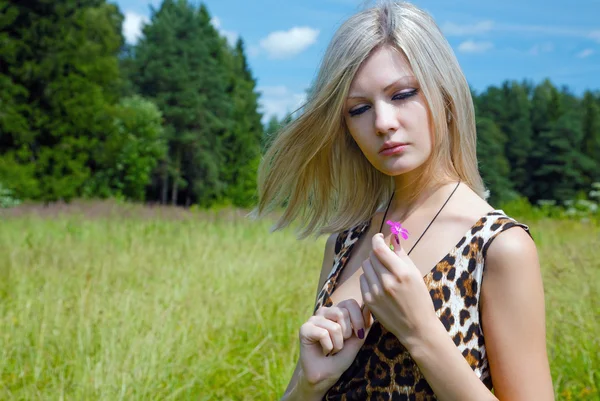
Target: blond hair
pixel 314 167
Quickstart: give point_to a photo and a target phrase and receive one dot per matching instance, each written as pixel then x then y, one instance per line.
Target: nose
pixel 386 118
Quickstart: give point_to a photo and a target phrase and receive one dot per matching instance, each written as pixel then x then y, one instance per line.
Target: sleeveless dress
pixel 383 369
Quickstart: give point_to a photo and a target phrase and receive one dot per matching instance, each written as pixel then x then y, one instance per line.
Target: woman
pixel 388 136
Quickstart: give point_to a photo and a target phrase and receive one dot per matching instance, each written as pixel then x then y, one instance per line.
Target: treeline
pixel 174 118
pixel 538 142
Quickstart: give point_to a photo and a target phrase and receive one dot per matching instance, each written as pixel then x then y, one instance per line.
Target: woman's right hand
pixel 330 340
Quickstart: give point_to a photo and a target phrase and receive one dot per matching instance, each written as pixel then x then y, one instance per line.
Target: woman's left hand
pixel 395 292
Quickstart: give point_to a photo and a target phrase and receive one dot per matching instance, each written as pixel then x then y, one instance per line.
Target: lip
pixel 390 148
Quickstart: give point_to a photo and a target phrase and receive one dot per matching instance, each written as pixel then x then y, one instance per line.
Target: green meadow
pixel 101 301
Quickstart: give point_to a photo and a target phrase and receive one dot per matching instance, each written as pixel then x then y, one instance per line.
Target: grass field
pixel 115 302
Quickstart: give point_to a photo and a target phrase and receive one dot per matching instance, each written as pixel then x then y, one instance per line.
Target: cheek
pixel 357 133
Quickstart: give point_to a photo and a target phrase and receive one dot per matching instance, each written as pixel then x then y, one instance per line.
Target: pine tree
pixel 242 143
pixel 591 134
pixel 559 164
pixel 178 63
pixel 493 164
pixel 63 72
pixel 517 127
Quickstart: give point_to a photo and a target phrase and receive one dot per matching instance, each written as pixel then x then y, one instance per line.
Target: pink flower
pixel 397 229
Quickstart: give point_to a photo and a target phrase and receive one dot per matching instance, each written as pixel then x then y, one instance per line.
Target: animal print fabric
pixel 383 369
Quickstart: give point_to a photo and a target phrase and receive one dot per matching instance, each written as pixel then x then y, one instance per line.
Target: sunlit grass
pixel 138 304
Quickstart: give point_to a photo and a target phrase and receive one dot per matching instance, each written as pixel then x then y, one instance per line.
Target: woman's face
pixel 385 107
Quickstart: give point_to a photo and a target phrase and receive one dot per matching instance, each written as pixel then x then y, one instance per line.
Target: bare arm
pixel 513 320
pixel 298 388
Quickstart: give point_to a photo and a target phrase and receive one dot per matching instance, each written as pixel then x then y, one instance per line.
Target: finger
pixel 378 268
pixel 371 278
pixel 355 315
pixel 367 316
pixel 335 333
pixel 341 316
pixel 399 250
pixel 311 334
pixel 365 290
pixel 385 255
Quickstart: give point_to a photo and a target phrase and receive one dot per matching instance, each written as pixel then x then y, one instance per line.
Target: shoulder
pixel 511 259
pixel 510 241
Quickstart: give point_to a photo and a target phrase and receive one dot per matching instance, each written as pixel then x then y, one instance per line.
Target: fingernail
pixel 361 333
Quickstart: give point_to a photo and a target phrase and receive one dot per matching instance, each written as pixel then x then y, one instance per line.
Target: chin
pixel 400 167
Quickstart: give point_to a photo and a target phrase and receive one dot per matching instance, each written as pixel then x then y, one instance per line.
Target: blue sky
pixel 494 40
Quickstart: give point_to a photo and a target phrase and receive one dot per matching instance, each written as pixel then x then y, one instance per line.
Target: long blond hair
pixel 314 167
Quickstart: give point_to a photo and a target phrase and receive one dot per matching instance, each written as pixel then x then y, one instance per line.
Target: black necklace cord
pixel 430 223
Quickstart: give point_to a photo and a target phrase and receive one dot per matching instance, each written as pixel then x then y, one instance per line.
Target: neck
pixel 405 201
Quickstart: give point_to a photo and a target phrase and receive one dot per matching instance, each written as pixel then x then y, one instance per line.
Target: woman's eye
pixel 398 96
pixel 358 111
pixel 404 95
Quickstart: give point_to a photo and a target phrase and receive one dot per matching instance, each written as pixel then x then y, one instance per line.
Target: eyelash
pixel 399 96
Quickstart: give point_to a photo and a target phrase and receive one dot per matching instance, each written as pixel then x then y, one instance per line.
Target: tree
pixel 519 144
pixel 125 159
pixel 60 74
pixel 591 134
pixel 242 144
pixel 559 165
pixel 509 108
pixel 493 164
pixel 178 64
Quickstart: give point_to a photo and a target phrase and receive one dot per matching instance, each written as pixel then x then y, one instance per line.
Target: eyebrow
pixel 408 78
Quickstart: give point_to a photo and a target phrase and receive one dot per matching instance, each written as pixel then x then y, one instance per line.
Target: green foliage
pixel 19 177
pixel 62 67
pixel 562 167
pixel 550 141
pixel 584 207
pixel 125 159
pixel 178 65
pixel 7 198
pixel 493 164
pixel 591 133
pixel 241 145
pixel 509 108
pixel 70 125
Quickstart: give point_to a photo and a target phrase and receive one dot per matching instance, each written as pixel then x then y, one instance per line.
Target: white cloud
pixel 231 36
pixel 285 44
pixel 452 29
pixel 585 53
pixel 541 48
pixel 132 26
pixel 470 46
pixel 595 35
pixel 279 101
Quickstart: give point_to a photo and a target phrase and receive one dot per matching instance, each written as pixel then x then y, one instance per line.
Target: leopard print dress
pixel 383 369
